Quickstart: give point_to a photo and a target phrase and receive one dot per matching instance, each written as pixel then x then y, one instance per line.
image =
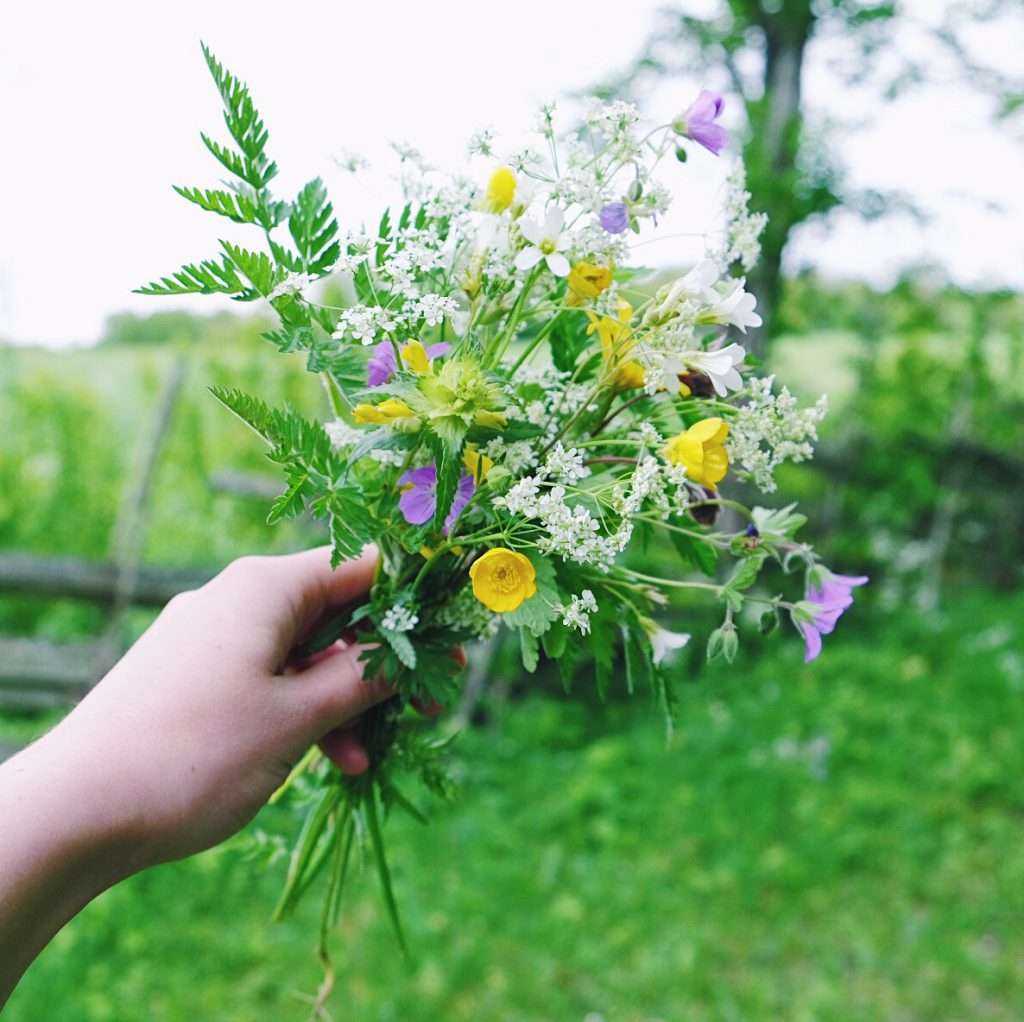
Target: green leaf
pixel 244 125
pixel 206 278
pixel 235 206
pixel 256 266
pixel 747 571
pixel 638 656
pixel 380 858
pixel 314 229
pixel 540 610
pixel 402 645
pixel 700 554
pixel 292 502
pixel 530 649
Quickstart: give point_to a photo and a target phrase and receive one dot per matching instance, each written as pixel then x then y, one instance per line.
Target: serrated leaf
pixel 747 571
pixel 206 278
pixel 402 645
pixel 698 553
pixel 314 229
pixel 537 612
pixel 257 267
pixel 529 649
pixel 244 125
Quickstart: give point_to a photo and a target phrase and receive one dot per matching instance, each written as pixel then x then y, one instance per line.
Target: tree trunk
pixel 771 155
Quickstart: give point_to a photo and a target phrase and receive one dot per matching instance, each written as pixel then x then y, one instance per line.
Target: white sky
pixel 101 105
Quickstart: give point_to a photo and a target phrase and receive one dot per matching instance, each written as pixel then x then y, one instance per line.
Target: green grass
pixel 836 842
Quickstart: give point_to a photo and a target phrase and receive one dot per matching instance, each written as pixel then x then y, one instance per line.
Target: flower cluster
pixel 516 406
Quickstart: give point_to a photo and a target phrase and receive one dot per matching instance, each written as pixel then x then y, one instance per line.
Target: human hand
pixel 181 743
pixel 204 717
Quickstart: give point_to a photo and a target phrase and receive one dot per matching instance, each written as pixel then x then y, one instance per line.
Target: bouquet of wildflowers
pixel 513 407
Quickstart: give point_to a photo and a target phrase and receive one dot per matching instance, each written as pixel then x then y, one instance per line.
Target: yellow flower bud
pixel 382 414
pixel 416 358
pixel 503 579
pixel 616 342
pixel 501 190
pixel 586 281
pixel 701 451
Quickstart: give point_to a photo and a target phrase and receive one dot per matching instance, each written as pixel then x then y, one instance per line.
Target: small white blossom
pixel 343 435
pixel 566 466
pixel 399 618
pixel 664 643
pixel 546 242
pixel 577 614
pixel 770 429
pixel 293 284
pixel 720 365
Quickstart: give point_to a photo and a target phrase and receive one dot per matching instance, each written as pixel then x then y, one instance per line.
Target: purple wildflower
pixel 381 366
pixel 419 498
pixel 699 124
pixel 832 596
pixel 615 217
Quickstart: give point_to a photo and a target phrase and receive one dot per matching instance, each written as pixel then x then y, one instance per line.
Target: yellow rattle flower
pixel 416 358
pixel 382 414
pixel 616 343
pixel 502 579
pixel 701 451
pixel 587 280
pixel 477 464
pixel 501 190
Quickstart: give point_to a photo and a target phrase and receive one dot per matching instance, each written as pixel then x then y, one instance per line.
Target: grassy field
pixel 834 843
pixel 831 843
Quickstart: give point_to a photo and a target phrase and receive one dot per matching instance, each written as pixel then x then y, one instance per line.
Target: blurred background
pixel 839 841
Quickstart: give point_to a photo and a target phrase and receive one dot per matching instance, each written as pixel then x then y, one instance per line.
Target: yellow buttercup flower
pixel 416 358
pixel 502 579
pixel 616 338
pixel 586 281
pixel 701 451
pixel 477 464
pixel 382 414
pixel 501 190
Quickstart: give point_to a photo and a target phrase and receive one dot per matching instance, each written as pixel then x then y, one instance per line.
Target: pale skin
pixel 180 745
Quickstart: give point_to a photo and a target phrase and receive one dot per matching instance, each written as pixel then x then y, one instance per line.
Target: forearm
pixel 59 847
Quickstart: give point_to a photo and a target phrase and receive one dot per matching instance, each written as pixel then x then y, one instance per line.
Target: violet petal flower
pixel 615 217
pixel 463 493
pixel 381 366
pixel 832 597
pixel 418 501
pixel 699 124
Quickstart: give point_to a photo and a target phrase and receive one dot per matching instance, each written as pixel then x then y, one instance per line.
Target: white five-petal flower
pixel 664 643
pixel 720 366
pixel 546 242
pixel 736 309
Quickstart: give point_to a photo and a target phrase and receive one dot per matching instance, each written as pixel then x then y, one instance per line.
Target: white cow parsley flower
pixel 293 284
pixel 577 614
pixel 399 618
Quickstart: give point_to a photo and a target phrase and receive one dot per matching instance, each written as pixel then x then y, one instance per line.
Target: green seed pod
pixel 680 154
pixel 634 191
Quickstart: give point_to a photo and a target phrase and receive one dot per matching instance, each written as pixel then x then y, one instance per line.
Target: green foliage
pixel 206 278
pixel 245 126
pixel 314 229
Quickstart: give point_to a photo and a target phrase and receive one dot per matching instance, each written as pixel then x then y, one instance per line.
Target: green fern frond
pixel 314 229
pixel 245 126
pixel 206 278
